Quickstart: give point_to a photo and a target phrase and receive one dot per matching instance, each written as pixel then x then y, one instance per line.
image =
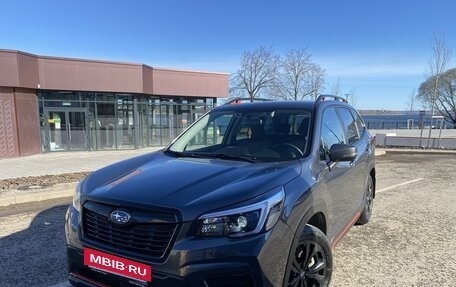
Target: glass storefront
pixel 102 121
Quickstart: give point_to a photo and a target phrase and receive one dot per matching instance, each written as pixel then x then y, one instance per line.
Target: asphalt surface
pixel 409 242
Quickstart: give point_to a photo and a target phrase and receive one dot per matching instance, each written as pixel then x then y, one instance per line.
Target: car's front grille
pixel 149 238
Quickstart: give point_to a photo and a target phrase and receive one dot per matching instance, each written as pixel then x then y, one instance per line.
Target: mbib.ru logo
pixel 118 265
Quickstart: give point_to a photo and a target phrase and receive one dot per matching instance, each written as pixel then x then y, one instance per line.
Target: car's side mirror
pixel 342 152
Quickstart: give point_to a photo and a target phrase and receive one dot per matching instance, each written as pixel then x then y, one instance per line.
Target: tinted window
pixel 331 131
pixel 349 125
pixel 359 122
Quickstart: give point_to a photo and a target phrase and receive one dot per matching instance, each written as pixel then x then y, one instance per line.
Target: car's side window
pixel 212 133
pixel 349 125
pixel 331 132
pixel 359 122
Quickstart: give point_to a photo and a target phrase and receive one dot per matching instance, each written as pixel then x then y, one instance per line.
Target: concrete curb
pixel 14 197
pixel 419 151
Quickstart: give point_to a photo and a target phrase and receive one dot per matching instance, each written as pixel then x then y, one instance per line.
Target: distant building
pixel 52 104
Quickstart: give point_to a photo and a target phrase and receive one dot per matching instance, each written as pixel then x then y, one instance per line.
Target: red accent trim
pixel 88 280
pixel 344 231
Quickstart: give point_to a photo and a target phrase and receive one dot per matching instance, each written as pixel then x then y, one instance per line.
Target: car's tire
pixel 368 204
pixel 310 260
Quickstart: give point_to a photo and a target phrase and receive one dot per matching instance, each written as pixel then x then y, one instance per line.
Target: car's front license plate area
pixel 117 265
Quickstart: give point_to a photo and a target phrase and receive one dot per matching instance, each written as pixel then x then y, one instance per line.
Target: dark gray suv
pixel 251 194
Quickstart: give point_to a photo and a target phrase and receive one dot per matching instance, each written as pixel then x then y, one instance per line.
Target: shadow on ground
pixel 35 256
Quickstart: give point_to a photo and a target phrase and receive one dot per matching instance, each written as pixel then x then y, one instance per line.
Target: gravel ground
pixel 410 240
pixel 31 182
pixel 32 248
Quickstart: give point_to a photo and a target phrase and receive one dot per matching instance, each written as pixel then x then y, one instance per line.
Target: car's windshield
pixel 260 136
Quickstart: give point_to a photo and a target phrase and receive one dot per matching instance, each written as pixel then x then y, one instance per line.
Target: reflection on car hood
pixel 191 185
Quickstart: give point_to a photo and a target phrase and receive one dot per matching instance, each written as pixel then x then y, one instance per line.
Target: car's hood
pixel 191 185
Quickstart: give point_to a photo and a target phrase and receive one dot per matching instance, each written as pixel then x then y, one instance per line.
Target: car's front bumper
pixel 257 260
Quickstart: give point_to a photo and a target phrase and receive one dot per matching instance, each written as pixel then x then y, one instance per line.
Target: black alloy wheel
pixel 310 263
pixel 369 203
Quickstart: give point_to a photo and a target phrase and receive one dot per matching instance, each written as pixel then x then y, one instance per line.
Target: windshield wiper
pixel 185 154
pixel 211 155
pixel 234 157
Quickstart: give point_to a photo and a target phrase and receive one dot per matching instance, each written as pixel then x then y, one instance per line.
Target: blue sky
pixel 379 49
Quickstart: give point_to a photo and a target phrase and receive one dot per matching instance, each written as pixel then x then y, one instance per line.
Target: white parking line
pixel 63 284
pixel 400 184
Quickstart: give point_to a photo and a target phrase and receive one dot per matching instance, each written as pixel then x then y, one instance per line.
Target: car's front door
pixel 335 180
pixel 358 173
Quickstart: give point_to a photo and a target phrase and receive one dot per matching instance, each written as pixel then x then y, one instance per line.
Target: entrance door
pixel 67 129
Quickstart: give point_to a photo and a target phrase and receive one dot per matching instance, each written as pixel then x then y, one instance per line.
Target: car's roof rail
pixel 322 98
pixel 241 100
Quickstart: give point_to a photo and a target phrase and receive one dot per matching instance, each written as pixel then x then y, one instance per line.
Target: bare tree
pixel 423 99
pixel 317 81
pixel 411 103
pixel 437 65
pixel 352 97
pixel 445 101
pixel 235 89
pixel 335 90
pixel 299 77
pixel 258 72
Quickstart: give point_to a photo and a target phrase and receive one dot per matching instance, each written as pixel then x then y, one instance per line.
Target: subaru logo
pixel 120 217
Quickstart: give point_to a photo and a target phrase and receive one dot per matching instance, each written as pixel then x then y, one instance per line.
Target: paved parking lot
pixel 411 240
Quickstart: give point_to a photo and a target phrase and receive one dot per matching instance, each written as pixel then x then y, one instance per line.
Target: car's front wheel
pixel 310 260
pixel 368 204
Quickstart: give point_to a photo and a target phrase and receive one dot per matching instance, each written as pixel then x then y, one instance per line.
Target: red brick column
pixel 19 122
pixel 9 145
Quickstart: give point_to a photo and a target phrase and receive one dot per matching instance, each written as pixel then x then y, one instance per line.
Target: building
pixel 52 104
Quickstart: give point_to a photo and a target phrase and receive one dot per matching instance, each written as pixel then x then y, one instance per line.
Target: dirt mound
pixel 43 180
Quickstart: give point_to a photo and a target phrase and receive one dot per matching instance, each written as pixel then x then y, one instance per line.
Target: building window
pixel 115 121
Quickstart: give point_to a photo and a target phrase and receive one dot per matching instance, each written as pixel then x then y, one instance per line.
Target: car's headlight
pixel 243 221
pixel 77 197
